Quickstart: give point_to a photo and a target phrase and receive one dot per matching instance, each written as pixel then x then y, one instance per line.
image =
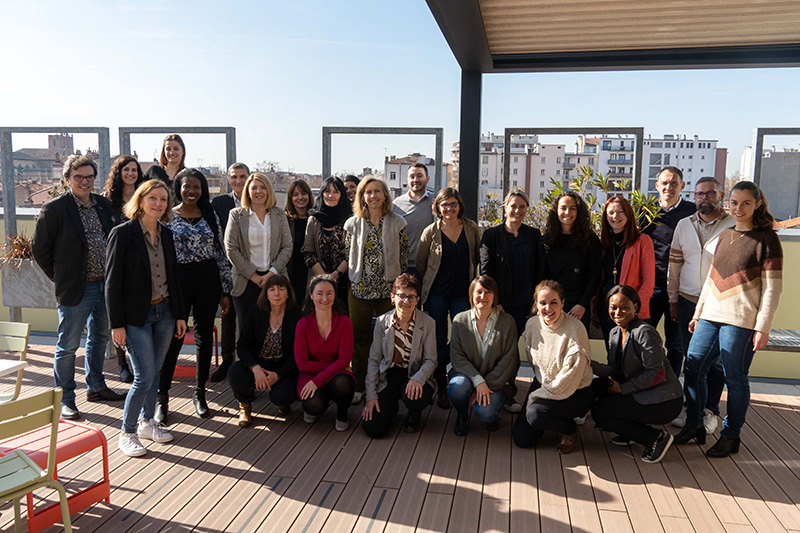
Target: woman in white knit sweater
pixel 557 347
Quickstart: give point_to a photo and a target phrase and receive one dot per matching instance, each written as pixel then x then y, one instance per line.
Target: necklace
pixel 734 230
pixel 615 272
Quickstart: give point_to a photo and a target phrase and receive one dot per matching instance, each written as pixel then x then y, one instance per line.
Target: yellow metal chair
pixel 14 338
pixel 20 475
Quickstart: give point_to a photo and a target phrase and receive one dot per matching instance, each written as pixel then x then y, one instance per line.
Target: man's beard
pixel 706 208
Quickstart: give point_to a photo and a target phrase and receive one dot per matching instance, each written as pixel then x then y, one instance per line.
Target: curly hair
pixel 582 228
pixel 114 186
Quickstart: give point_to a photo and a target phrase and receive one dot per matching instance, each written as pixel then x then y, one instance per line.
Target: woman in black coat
pixel 145 305
pixel 266 350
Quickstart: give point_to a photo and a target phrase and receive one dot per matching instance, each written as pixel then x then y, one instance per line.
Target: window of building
pixel 591 161
pixel 541 184
pixel 690 157
pixel 543 159
pixel 558 172
pixel 485 160
pixel 516 159
pixel 606 145
pixel 579 160
pixel 702 170
pixel 484 172
pixel 514 183
pixel 542 172
pixel 392 176
pixel 702 157
pixel 515 172
pixel 541 195
pixel 558 160
pixel 656 145
pixel 690 145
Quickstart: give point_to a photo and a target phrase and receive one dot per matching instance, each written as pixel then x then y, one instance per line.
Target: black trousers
pixel 243 302
pixel 228 335
pixel 550 415
pixel 395 390
pixel 623 415
pixel 339 390
pixel 202 290
pixel 243 386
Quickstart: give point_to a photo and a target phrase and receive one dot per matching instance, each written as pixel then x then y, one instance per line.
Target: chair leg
pixel 17 516
pixel 62 495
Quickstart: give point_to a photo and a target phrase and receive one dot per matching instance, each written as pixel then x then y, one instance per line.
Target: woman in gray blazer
pixel 258 242
pixel 485 357
pixel 402 359
pixel 637 388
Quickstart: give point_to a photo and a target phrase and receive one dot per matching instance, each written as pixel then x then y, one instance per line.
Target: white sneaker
pixel 309 419
pixel 357 397
pixel 580 420
pixel 129 445
pixel 681 420
pixel 342 425
pixel 150 430
pixel 710 422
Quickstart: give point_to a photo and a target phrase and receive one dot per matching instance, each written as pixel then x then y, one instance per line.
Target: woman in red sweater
pixel 628 259
pixel 323 348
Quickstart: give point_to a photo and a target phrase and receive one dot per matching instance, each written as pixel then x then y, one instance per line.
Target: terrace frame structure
pixel 329 131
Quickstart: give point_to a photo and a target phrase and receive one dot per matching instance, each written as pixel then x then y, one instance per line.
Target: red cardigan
pixel 639 271
pixel 320 359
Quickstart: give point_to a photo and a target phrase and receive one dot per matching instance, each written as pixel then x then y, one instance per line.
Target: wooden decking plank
pixel 345 464
pixel 601 474
pixel 615 521
pixel 583 513
pixel 497 479
pixel 394 470
pixel 257 505
pixel 641 510
pixel 445 472
pixel 465 513
pixel 314 513
pixel 524 504
pixel 756 427
pixel 435 513
pixel 495 515
pixel 375 515
pixel 553 506
pixel 779 425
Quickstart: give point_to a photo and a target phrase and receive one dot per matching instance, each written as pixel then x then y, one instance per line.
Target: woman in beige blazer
pixel 257 240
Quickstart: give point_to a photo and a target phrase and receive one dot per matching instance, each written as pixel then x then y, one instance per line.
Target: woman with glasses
pixel 448 260
pixel 402 361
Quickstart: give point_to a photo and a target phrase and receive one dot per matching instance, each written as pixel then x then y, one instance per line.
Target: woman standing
pixel 628 259
pixel 323 348
pixel 570 254
pixel 485 357
pixel 173 156
pixel 377 253
pixel 258 242
pixel 447 259
pixel 205 281
pixel 733 315
pixel 266 351
pixel 145 306
pixel 124 177
pixel 557 346
pixel 324 249
pixel 299 200
pixel 637 388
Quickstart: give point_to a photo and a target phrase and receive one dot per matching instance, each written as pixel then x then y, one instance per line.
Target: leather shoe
pixel 245 415
pixel 461 426
pixel 162 407
pixel 70 413
pixel 284 410
pixel 104 395
pixel 724 447
pixel 411 424
pixel 125 375
pixel 442 399
pixel 221 373
pixel 567 443
pixel 200 405
pixel 687 434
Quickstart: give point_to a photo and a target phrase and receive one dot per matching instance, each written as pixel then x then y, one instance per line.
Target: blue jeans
pixel 147 347
pixel 90 313
pixel 659 306
pixel 437 308
pixel 461 388
pixel 735 345
pixel 716 375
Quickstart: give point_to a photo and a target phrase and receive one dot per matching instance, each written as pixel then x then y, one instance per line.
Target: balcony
pixel 619 148
pixel 620 161
pixel 569 165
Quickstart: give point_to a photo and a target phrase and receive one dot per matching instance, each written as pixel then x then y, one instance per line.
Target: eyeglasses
pixel 406 297
pixel 83 178
pixel 710 195
pixel 448 205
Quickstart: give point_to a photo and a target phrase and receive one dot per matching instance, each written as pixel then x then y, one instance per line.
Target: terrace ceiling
pixel 563 35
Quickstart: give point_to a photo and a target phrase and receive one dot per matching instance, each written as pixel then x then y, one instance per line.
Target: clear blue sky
pixel 279 71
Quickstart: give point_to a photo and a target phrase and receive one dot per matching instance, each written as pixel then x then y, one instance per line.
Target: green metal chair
pixel 14 338
pixel 20 475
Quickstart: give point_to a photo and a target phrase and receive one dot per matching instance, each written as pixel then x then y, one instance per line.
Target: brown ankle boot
pixel 567 443
pixel 245 415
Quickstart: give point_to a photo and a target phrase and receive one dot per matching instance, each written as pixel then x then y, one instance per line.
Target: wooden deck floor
pixel 286 475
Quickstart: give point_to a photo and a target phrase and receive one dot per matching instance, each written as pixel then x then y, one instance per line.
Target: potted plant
pixel 24 283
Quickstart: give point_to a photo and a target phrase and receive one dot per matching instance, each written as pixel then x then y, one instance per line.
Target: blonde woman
pixel 258 242
pixel 378 248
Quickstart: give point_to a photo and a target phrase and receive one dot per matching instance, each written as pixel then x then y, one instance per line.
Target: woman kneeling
pixel 266 350
pixel 401 363
pixel 640 387
pixel 557 347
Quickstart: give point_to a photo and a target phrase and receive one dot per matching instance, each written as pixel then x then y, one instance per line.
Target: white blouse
pixel 258 235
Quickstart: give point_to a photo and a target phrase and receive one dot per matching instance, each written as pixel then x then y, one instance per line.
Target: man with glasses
pixel 69 244
pixel 693 246
pixel 415 208
pixel 669 185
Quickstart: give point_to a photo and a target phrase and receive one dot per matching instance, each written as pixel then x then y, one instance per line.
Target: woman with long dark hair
pixel 205 278
pixel 172 156
pixel 570 253
pixel 734 315
pixel 299 201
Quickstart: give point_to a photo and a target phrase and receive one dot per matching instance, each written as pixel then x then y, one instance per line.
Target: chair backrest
pixel 21 416
pixel 14 338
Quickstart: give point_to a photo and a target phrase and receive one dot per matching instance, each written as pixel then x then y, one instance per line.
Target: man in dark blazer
pixel 237 176
pixel 69 244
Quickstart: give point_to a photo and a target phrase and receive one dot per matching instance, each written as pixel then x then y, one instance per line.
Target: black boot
pixel 687 434
pixel 200 405
pixel 125 375
pixel 221 373
pixel 162 401
pixel 724 447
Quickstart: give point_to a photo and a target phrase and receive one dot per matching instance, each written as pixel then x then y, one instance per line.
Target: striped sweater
pixel 745 280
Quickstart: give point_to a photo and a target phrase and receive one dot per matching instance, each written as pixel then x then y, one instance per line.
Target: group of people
pixel 351 297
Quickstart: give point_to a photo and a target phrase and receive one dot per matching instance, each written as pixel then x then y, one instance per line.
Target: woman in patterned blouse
pixel 266 350
pixel 205 278
pixel 378 248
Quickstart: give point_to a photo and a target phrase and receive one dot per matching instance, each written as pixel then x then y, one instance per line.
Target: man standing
pixel 237 176
pixel 415 207
pixel 672 209
pixel 693 246
pixel 69 244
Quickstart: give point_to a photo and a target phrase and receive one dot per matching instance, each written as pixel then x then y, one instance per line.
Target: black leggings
pixel 243 302
pixel 623 415
pixel 395 390
pixel 243 386
pixel 550 415
pixel 339 390
pixel 202 290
